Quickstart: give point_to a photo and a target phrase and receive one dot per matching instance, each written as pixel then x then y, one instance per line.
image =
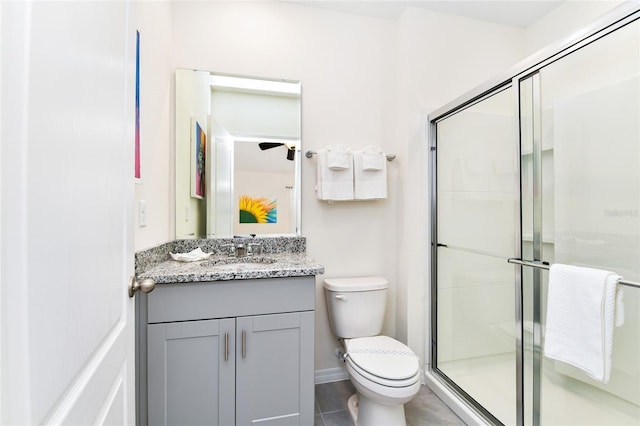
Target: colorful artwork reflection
pixel 199 149
pixel 138 174
pixel 258 209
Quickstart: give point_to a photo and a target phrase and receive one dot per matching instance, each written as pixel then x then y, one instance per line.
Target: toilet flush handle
pixel 342 297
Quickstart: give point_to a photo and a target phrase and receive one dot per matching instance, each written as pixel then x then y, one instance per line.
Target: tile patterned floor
pixel 425 409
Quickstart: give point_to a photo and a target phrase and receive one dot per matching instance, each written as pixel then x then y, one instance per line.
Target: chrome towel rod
pixel 546 267
pixel 309 154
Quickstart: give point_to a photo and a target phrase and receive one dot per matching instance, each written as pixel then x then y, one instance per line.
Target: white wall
pixel 252 114
pixel 153 20
pixel 564 21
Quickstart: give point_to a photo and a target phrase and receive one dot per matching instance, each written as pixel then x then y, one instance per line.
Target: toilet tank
pixel 356 305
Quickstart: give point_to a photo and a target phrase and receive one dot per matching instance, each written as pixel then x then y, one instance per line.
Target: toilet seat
pixel 383 360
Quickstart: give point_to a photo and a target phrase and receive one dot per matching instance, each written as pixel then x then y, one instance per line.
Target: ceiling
pixel 518 13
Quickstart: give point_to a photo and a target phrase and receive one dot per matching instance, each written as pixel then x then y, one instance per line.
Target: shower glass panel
pixel 478 214
pixel 544 167
pixel 590 212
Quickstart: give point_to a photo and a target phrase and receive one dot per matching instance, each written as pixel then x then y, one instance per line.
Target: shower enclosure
pixel 540 167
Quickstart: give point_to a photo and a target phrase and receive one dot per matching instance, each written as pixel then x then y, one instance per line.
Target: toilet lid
pixel 383 357
pixel 355 284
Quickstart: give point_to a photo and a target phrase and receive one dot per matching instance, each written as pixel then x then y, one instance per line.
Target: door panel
pixel 477 200
pixel 590 137
pixel 476 179
pixel 67 192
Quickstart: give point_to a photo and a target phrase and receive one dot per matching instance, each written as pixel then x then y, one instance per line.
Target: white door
pixel 67 114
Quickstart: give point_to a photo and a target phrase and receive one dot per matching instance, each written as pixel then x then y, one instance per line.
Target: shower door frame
pixel 450 385
pixel 444 387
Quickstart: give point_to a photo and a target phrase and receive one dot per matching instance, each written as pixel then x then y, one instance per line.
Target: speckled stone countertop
pixel 279 257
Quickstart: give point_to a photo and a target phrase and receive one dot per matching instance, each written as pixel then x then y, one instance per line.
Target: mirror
pixel 238 155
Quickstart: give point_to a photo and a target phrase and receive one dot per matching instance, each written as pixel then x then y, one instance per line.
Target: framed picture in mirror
pixel 198 156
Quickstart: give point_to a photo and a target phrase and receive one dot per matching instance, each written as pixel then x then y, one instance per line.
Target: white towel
pixel 339 157
pixel 581 313
pixel 192 256
pixel 372 161
pixel 369 184
pixel 333 184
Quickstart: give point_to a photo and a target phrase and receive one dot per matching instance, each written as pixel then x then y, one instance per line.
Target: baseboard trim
pixel 329 375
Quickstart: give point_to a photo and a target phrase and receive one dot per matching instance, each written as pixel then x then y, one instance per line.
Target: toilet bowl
pixel 385 372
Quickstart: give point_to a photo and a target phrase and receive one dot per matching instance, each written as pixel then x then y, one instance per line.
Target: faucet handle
pixel 232 249
pixel 250 250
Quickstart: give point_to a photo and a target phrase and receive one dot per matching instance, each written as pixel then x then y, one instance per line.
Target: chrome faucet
pixel 232 249
pixel 241 250
pixel 244 247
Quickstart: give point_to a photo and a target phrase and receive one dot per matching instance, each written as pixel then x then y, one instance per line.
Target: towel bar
pixel 543 265
pixel 309 154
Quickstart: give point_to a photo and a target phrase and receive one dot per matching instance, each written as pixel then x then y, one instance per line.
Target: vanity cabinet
pixel 191 378
pixel 230 352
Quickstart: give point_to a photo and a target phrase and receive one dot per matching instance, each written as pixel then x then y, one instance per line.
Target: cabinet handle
pixel 226 347
pixel 244 344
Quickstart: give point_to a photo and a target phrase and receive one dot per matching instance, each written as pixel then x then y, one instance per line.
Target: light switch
pixel 142 213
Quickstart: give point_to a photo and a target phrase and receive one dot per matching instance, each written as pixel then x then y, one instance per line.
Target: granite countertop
pixel 221 267
pixel 284 265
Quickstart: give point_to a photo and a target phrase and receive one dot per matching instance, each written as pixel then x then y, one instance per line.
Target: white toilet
pixel 385 372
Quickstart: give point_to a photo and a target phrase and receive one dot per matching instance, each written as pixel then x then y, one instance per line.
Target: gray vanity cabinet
pixel 274 373
pixel 191 379
pixel 231 353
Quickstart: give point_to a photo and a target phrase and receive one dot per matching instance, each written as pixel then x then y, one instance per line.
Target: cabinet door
pixel 191 369
pixel 274 369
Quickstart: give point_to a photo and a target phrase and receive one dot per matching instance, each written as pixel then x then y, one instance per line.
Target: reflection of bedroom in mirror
pixel 251 158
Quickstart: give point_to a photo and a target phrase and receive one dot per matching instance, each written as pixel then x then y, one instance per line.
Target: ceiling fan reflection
pixel 291 149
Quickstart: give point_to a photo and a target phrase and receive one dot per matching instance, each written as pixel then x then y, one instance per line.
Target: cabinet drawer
pixel 221 299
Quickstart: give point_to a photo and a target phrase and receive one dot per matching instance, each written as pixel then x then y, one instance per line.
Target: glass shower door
pixel 584 145
pixel 544 169
pixel 477 219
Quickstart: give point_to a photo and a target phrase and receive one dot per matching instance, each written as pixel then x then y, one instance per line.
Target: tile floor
pixel 425 409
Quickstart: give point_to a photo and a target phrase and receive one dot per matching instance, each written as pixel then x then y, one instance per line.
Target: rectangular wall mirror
pixel 238 145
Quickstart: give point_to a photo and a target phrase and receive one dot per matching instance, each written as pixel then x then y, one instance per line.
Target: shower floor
pixel 565 401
